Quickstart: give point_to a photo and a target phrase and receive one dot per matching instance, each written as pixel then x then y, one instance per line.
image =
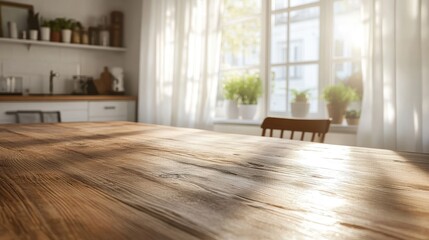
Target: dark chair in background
pixel 317 127
pixel 51 117
pixel 27 117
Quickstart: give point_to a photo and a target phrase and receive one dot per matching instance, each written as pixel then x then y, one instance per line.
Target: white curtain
pixel 180 62
pixel 395 108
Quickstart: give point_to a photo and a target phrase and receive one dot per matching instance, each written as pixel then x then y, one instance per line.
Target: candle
pixel 78 70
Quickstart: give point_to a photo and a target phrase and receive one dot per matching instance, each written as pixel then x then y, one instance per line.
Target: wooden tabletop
pixel 135 181
pixel 56 98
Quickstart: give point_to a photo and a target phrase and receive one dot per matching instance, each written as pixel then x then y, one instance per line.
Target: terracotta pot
pixel 336 112
pixel 352 121
pixel 55 36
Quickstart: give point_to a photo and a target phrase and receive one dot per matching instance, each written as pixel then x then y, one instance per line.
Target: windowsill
pixel 335 128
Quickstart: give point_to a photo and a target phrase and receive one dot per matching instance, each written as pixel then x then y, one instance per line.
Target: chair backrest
pixel 51 117
pixel 29 117
pixel 317 127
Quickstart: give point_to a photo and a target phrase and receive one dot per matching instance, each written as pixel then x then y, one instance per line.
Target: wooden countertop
pixel 48 98
pixel 134 181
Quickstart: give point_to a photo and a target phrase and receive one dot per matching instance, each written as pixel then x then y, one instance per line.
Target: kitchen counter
pixel 49 98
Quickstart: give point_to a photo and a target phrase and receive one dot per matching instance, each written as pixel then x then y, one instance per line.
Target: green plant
pixel 300 96
pixel 339 94
pixel 76 26
pixel 249 89
pixel 33 21
pixel 45 23
pixel 353 114
pixel 55 25
pixel 64 23
pixel 231 87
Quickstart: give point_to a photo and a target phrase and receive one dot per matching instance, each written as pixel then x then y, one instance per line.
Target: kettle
pixel 118 80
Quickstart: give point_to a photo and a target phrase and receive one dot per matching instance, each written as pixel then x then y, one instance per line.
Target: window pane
pixel 234 9
pixel 294 3
pixel 304 77
pixel 279 4
pixel 304 35
pixel 241 44
pixel 347 29
pixel 279 38
pixel 278 92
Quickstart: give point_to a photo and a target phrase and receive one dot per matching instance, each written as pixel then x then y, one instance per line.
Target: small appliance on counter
pixel 11 85
pixel 84 85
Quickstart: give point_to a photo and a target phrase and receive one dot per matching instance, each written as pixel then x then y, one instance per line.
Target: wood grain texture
pixel 66 98
pixel 136 181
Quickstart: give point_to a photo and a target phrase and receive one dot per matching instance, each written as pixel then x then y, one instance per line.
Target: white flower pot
pixel 34 35
pixel 45 34
pixel 66 35
pixel 247 112
pixel 231 109
pixel 300 109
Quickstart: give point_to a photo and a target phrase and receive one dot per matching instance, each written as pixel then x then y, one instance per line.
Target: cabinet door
pixel 111 111
pixel 70 111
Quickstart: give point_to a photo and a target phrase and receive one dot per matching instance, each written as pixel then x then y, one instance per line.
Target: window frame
pixel 326 62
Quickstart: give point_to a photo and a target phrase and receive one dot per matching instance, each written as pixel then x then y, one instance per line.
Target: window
pixel 303 44
pixel 241 41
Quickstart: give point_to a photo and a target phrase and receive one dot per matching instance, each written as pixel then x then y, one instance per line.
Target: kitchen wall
pixel 35 63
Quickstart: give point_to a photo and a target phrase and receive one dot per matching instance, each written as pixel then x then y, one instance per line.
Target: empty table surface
pixel 135 181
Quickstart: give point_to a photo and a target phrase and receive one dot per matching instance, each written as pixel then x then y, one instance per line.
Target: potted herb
pixel 352 117
pixel 77 31
pixel 249 90
pixel 338 98
pixel 230 93
pixel 45 30
pixel 55 30
pixel 33 25
pixel 299 105
pixel 66 29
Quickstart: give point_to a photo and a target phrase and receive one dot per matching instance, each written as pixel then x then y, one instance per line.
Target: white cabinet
pixel 112 111
pixel 75 111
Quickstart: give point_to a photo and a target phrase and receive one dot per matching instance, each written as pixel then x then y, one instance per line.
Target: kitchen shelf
pixel 29 43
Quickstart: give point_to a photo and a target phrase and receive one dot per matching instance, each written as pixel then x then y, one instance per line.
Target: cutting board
pixel 104 83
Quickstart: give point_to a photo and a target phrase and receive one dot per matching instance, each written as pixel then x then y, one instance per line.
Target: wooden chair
pixel 27 117
pixel 315 126
pixel 51 117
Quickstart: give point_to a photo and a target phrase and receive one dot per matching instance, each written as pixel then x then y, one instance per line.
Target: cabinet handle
pixel 109 107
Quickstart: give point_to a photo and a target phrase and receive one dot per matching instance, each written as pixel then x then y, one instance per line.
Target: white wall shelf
pixel 29 43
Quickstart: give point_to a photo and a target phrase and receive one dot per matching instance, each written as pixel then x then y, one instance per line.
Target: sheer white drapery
pixel 395 108
pixel 180 62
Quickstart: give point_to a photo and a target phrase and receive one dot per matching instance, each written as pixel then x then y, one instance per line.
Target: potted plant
pixel 33 25
pixel 299 105
pixel 249 90
pixel 352 117
pixel 76 34
pixel 45 30
pixel 338 98
pixel 66 29
pixel 230 91
pixel 55 30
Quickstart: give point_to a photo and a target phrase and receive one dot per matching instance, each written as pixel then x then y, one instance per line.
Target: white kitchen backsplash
pixel 34 65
